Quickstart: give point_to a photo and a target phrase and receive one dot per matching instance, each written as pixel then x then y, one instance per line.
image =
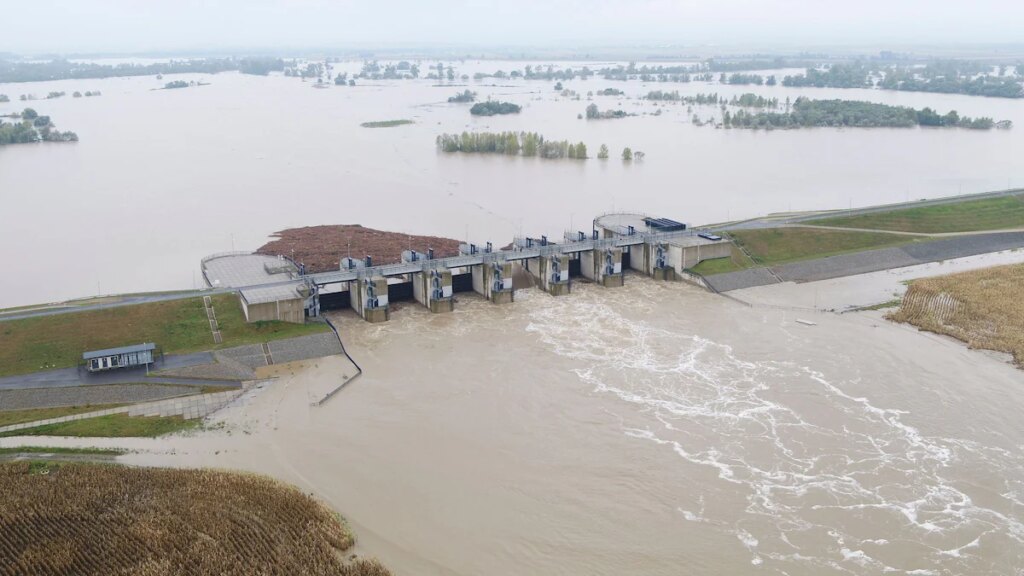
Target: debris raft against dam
pixel 320 247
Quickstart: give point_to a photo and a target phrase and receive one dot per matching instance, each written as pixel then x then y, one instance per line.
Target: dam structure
pixel 271 287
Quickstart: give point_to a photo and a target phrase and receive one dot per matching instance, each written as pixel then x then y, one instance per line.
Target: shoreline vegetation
pixel 210 521
pixel 32 127
pixel 386 123
pixel 980 307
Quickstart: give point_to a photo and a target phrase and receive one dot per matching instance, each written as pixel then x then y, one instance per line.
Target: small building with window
pixel 124 357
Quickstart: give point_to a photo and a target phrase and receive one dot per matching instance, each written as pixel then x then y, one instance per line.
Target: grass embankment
pixel 60 450
pixel 112 426
pixel 87 301
pixel 772 246
pixel 92 519
pixel 177 326
pixel 735 262
pixel 969 216
pixel 386 123
pixel 981 307
pixel 9 417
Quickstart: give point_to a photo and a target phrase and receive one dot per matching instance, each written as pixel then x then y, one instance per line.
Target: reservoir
pixel 162 178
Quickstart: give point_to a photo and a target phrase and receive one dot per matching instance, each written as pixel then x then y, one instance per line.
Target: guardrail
pixel 359 370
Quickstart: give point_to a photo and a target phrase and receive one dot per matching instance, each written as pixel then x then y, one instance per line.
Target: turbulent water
pixel 651 429
pixel 815 471
pixel 162 178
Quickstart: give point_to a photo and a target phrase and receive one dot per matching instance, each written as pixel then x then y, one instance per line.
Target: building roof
pixel 238 270
pixel 264 294
pixel 122 350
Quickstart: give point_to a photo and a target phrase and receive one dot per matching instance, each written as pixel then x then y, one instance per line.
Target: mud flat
pixel 652 429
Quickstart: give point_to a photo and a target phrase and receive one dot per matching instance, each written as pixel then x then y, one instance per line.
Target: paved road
pixel 67 377
pixel 869 261
pixel 126 301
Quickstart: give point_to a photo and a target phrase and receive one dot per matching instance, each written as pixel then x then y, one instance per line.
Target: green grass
pixel 771 246
pixel 736 262
pixel 968 216
pixel 113 426
pixel 60 450
pixel 177 326
pixel 386 123
pixel 9 417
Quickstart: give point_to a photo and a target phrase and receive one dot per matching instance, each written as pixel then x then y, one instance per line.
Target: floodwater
pixel 163 178
pixel 652 430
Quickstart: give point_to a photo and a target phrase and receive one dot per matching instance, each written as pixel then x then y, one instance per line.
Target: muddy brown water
pixel 162 178
pixel 653 429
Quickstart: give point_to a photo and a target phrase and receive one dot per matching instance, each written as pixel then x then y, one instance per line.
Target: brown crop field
pixel 983 308
pixel 92 519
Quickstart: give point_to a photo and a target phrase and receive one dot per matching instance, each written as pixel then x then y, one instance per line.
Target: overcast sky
pixel 33 26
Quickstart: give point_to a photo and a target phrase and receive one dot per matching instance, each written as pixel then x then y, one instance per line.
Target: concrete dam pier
pixel 273 288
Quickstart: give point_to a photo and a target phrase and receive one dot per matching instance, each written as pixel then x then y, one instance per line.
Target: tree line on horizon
pixel 63 69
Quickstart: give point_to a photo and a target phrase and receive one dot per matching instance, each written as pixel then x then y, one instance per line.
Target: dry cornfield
pixel 984 308
pixel 91 519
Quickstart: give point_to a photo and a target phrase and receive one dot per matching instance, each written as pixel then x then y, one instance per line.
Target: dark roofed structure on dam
pixel 123 357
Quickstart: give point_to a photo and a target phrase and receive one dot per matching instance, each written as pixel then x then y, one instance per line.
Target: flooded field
pixel 162 178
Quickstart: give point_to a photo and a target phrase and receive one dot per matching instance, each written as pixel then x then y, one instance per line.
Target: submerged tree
pixel 602 154
pixel 627 154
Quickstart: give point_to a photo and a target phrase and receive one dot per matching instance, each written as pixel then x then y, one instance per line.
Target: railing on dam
pixel 521 251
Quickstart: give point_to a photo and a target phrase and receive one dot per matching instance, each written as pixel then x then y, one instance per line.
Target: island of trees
pixel 593 113
pixel 850 113
pixel 176 84
pixel 492 107
pixel 746 100
pixel 386 123
pixel 31 127
pixel 511 144
pixel 464 96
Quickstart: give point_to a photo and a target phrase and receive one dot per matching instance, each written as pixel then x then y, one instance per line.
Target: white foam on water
pixel 805 473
